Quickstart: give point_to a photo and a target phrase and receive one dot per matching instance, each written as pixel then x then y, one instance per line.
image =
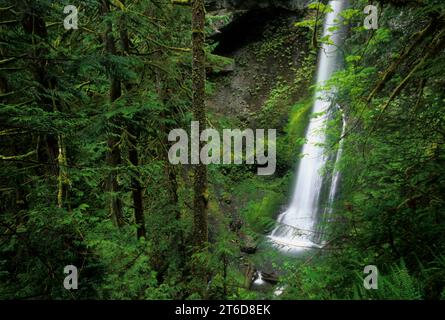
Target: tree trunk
pixel 63 180
pixel 199 114
pixel 200 233
pixel 113 156
pixel 136 187
pixel 47 152
pixel 419 37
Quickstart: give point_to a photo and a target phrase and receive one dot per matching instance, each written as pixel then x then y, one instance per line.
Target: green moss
pixel 276 108
pixel 298 121
pixel 289 144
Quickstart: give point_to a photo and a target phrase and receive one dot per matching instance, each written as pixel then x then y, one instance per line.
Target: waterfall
pixel 296 227
pixel 259 280
pixel 336 173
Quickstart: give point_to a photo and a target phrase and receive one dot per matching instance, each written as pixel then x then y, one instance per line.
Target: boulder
pixel 270 277
pixel 248 244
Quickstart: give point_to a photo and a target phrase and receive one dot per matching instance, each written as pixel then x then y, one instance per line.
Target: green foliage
pixel 63 118
pixel 266 199
pixel 219 63
pixel 56 98
pixel 389 210
pixel 396 285
pixel 317 10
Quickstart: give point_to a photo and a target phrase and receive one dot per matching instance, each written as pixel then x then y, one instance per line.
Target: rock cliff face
pixel 256 4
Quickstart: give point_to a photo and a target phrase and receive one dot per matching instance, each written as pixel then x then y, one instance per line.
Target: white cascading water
pixel 296 228
pixel 336 173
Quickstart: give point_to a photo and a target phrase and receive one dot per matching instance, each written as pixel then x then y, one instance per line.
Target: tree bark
pixel 47 150
pixel 113 156
pixel 199 114
pixel 200 232
pixel 136 187
pixel 419 37
pixel 63 180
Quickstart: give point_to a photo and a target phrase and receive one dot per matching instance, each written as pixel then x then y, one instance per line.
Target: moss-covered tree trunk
pixel 199 114
pixel 200 233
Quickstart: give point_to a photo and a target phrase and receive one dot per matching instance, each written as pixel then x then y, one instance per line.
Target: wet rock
pixel 249 275
pixel 270 277
pixel 248 244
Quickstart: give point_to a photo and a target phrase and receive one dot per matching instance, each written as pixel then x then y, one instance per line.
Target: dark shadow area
pixel 246 28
